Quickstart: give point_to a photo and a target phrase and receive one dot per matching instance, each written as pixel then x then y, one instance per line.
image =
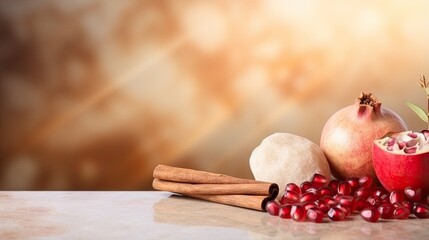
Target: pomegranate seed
pixel 384 198
pixel 305 185
pixel 311 190
pixel 284 201
pixel 336 214
pixel 401 212
pixel 396 197
pixel 354 183
pixel 308 197
pixel 362 192
pixel 421 210
pixel 373 201
pixel 337 197
pixel 361 204
pixel 273 208
pixel 314 215
pixel 413 195
pixel 348 202
pixel 330 201
pixel 378 191
pixel 410 150
pixel 413 135
pixel 293 187
pixel 322 206
pixel 309 205
pixel 291 197
pixel 386 210
pixel 318 180
pixel 298 213
pixel 334 185
pixel 345 210
pixel 284 211
pixel 370 214
pixel 408 205
pixel 325 191
pixel 365 181
pixel 344 188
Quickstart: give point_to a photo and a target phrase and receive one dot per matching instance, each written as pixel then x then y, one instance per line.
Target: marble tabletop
pixel 162 215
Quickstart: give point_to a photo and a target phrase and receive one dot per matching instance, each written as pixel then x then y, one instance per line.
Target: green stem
pixel 427 98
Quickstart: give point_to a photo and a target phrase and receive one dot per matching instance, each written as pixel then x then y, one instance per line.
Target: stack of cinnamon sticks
pixel 214 187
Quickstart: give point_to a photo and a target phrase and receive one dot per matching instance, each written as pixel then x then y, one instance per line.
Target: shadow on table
pixel 185 211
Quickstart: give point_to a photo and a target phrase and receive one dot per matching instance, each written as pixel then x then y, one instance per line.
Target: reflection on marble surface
pixel 161 215
pixel 184 211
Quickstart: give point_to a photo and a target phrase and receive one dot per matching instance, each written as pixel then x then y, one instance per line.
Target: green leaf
pixel 418 110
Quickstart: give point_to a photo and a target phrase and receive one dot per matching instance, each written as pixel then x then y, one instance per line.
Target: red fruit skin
pixel 398 171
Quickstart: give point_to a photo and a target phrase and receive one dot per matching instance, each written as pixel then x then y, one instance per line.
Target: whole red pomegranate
pixel 348 135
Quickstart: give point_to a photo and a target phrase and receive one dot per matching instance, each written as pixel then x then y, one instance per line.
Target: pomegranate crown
pixel 367 104
pixel 367 99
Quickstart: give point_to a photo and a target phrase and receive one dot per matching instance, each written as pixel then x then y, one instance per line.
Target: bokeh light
pixel 94 94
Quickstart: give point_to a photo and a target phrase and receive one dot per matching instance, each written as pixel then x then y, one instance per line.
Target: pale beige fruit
pixel 284 158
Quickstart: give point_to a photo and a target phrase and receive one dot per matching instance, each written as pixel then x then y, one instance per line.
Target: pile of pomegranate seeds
pixel 336 199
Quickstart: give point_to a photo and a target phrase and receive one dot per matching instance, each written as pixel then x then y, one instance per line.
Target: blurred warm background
pixel 94 94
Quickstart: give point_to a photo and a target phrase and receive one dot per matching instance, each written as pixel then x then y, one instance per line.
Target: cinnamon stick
pixel 214 187
pixel 244 201
pixel 263 189
pixel 177 174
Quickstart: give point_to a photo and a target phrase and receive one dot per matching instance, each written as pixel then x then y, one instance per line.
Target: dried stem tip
pixel 423 82
pixel 367 99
